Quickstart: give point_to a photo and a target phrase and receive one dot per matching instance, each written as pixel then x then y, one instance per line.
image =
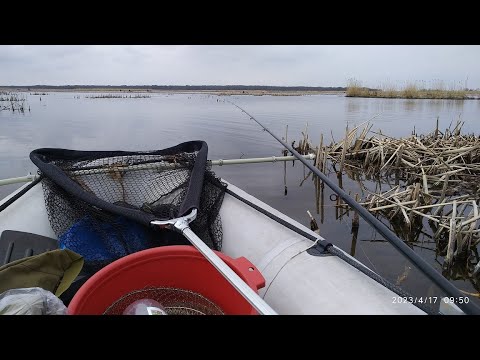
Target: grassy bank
pixel 409 91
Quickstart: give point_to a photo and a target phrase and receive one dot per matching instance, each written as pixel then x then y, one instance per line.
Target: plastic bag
pixel 145 307
pixel 31 301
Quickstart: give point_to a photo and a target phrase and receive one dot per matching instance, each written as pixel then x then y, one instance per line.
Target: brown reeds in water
pixel 436 183
pixel 12 102
pixel 410 90
pixel 116 96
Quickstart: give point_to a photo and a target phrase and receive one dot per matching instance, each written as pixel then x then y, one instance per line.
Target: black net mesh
pixel 100 205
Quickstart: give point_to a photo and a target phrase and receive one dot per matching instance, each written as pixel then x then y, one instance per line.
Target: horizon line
pixel 151 85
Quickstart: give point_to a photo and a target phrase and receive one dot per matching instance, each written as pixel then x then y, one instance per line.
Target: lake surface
pixel 73 121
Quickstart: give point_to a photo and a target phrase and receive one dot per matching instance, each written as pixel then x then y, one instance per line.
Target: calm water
pixel 65 121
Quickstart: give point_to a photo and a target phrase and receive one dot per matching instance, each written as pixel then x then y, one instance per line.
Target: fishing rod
pixel 469 308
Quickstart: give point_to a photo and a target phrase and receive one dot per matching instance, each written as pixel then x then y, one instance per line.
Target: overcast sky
pixel 289 65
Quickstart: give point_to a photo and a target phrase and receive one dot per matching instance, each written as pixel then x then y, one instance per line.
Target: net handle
pixel 182 225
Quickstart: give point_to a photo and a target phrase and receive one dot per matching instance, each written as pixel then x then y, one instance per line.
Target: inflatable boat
pixel 301 272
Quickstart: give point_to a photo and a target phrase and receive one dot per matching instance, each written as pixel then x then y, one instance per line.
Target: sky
pixel 279 65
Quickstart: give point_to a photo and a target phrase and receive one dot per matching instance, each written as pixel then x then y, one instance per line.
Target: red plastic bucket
pixel 179 266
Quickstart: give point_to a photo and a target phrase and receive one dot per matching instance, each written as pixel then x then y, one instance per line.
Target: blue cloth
pixel 105 241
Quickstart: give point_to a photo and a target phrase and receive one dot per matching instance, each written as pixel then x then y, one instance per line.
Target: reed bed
pixel 413 90
pixel 11 97
pixel 115 96
pixel 13 102
pixel 421 180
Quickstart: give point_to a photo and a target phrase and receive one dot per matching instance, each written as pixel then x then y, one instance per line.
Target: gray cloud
pixel 222 65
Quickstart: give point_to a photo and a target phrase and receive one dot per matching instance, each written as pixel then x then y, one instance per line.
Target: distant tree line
pixel 179 87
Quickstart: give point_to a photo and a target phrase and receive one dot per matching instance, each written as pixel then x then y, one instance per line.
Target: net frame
pixel 87 219
pixel 46 160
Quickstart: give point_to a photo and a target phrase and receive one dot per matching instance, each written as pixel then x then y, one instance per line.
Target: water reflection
pixel 410 105
pixel 403 114
pixel 353 105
